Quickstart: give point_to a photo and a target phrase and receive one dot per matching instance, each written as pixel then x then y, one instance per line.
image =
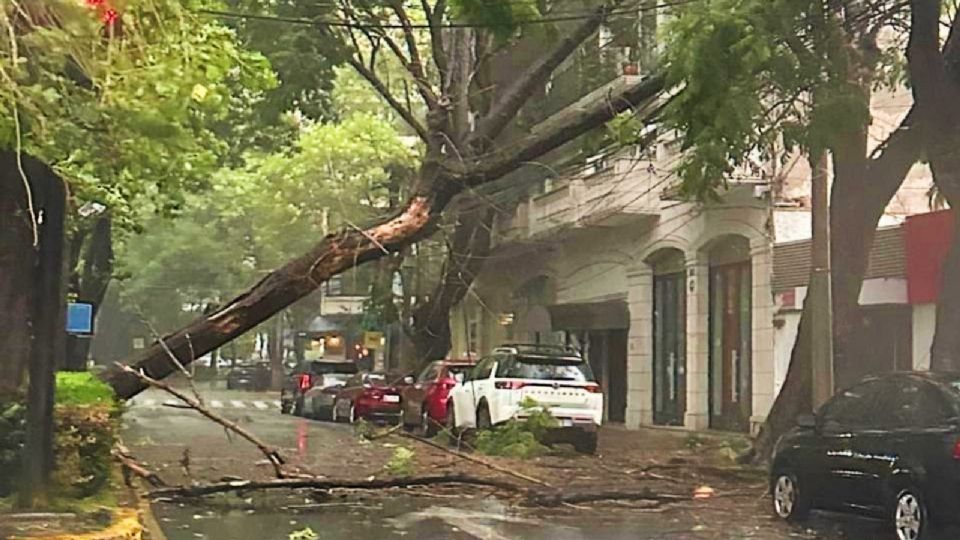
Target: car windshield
pixel 545 369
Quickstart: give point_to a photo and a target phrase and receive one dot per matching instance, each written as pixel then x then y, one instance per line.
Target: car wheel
pixel 451 419
pixel 298 406
pixel 426 429
pixel 483 417
pixel 586 443
pixel 335 412
pixel 789 501
pixel 911 520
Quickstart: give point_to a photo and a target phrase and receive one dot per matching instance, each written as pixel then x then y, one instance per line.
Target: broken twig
pixel 272 455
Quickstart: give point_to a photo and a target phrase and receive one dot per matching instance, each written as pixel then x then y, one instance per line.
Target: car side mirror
pixel 408 380
pixel 807 421
pixel 459 377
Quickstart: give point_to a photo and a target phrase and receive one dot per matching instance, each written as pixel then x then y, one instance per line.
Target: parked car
pixel 306 376
pixel 249 376
pixel 318 400
pixel 554 377
pixel 368 396
pixel 425 401
pixel 888 447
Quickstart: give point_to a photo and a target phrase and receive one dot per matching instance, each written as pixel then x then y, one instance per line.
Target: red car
pixel 367 396
pixel 426 400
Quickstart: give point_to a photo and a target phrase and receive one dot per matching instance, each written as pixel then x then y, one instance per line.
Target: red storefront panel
pixel 927 241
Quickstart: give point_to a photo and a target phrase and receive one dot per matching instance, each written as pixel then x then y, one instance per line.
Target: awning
pixel 610 315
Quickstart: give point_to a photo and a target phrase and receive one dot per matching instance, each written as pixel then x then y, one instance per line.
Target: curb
pixel 126 526
pixel 150 525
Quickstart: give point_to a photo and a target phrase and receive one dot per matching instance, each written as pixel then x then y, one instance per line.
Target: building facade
pixel 686 311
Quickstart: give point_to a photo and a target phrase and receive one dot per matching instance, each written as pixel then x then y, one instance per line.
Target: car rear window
pixel 544 369
pixel 322 368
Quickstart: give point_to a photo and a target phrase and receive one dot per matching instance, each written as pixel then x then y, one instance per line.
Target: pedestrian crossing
pixel 258 404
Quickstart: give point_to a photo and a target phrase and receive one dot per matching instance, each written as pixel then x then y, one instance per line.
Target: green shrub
pixel 13 430
pixel 86 417
pixel 401 463
pixel 518 438
pixel 81 388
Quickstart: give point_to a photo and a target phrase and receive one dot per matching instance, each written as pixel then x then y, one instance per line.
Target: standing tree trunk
pixel 935 78
pixel 276 353
pixel 466 253
pixel 47 328
pixel 16 276
pixel 90 285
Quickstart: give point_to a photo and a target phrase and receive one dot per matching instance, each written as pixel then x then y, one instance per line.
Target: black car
pixel 249 376
pixel 304 377
pixel 888 447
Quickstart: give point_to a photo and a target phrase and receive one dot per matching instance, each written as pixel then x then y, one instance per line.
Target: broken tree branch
pixel 559 498
pixel 201 490
pixel 272 455
pixel 476 459
pixel 131 465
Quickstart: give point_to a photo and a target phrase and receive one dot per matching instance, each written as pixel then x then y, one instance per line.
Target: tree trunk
pixel 438 183
pixel 945 352
pixel 91 284
pixel 47 325
pixel 276 353
pixel 16 275
pixel 466 254
pixel 863 193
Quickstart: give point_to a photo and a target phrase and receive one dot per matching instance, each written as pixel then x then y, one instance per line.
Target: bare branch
pixel 506 107
pixel 435 19
pixel 272 455
pixel 381 89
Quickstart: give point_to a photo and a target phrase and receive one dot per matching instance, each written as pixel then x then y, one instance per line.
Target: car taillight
pixel 305 381
pixel 956 450
pixel 592 388
pixel 508 385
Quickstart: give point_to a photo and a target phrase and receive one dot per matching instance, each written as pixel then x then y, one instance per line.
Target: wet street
pixel 161 435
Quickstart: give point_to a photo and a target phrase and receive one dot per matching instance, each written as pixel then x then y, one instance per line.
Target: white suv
pixel 553 376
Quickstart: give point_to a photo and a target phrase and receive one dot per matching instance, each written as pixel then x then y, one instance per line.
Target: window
pixel 544 369
pixel 855 407
pixel 483 370
pixel 430 373
pixel 916 404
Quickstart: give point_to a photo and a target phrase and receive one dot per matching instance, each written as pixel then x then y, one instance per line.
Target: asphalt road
pixel 163 435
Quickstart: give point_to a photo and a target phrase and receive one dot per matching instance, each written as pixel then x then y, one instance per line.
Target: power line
pixel 326 23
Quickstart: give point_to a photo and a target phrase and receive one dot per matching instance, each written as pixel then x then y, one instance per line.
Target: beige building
pixel 672 302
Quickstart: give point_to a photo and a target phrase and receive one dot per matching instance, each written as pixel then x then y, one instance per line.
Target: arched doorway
pixel 731 336
pixel 669 337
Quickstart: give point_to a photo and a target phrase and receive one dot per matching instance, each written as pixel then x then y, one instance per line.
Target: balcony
pixel 615 193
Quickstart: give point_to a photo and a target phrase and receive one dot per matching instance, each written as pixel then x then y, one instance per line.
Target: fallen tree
pixel 439 181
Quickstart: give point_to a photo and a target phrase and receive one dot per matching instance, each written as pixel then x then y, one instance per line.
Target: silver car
pixel 318 400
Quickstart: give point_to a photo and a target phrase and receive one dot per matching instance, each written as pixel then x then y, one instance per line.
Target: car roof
pixel 932 376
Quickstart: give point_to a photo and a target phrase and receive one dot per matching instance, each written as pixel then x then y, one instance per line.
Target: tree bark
pixel 91 285
pixel 47 328
pixel 466 253
pixel 276 353
pixel 437 184
pixel 935 77
pixel 17 257
pixel 863 193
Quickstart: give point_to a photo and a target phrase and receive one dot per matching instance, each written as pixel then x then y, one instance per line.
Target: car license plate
pixel 566 422
pixel 391 399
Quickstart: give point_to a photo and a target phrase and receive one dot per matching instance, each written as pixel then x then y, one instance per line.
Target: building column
pixel 697 270
pixel 640 346
pixel 763 362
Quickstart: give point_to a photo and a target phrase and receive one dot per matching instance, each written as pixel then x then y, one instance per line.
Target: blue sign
pixel 79 318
